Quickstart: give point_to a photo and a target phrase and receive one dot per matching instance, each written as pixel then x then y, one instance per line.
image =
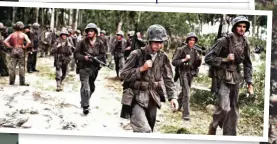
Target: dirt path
pixel 39 106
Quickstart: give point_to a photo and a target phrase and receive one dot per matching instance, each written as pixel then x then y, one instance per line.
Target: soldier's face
pixel 101 34
pixel 119 37
pixel 156 46
pixel 241 28
pixel 64 37
pixel 191 42
pixel 91 33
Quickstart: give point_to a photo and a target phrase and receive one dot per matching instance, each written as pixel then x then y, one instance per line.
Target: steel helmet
pixel 240 19
pixel 156 33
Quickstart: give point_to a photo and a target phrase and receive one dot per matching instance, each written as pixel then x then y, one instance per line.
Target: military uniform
pixel 73 41
pixel 30 50
pixel 16 42
pixel 144 93
pixel 117 50
pixel 36 34
pixel 46 41
pixel 62 52
pixel 4 70
pixel 187 70
pixel 88 69
pixel 227 75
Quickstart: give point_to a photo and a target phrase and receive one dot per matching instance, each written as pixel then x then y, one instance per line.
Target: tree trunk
pixel 37 14
pixel 254 25
pixel 42 17
pixel 52 19
pixel 13 17
pixel 75 25
pixel 62 17
pixel 224 24
pixel 57 18
pixel 119 25
pixel 70 16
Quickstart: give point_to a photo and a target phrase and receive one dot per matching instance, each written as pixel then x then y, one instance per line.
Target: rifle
pixel 98 61
pixel 200 49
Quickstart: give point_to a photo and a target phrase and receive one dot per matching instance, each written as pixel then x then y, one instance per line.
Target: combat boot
pixel 22 82
pixel 212 130
pixel 58 86
pixel 86 110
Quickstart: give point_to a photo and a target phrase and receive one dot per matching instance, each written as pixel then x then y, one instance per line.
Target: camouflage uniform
pixel 62 52
pixel 16 42
pixel 187 71
pixel 4 71
pixel 88 70
pixel 144 93
pixel 117 50
pixel 228 77
pixel 46 41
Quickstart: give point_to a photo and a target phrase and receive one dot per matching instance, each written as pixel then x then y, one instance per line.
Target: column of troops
pixel 140 63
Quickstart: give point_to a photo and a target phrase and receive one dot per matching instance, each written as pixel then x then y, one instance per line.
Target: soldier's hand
pixel 187 57
pixel 147 65
pixel 86 58
pixel 231 57
pixel 174 104
pixel 251 89
pixel 128 48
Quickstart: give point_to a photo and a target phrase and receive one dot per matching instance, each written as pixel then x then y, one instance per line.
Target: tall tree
pixel 52 19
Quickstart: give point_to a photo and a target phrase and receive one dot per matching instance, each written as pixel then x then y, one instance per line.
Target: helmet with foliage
pixel 156 33
pixel 240 19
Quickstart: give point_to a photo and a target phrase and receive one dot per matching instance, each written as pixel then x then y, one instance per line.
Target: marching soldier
pixel 117 50
pixel 188 60
pixel 62 51
pixel 73 41
pixel 88 68
pixel 145 71
pixel 46 41
pixel 15 41
pixel 225 58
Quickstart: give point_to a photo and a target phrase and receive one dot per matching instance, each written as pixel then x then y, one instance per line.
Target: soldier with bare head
pixel 15 41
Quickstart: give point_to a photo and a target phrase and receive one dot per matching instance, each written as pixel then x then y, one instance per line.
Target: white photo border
pixel 160 9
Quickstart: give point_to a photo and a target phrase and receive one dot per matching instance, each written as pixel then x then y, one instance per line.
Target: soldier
pixel 4 71
pixel 117 50
pixel 225 58
pixel 73 41
pixel 144 71
pixel 188 60
pixel 46 40
pixel 88 68
pixel 79 36
pixel 15 41
pixel 30 49
pixel 36 32
pixel 105 40
pixel 62 51
pixel 128 48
